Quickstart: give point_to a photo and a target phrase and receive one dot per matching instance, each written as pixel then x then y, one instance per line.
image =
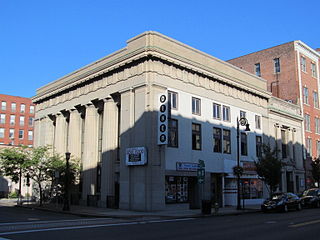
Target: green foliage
pixel 12 161
pixel 315 165
pixel 13 195
pixel 268 168
pixel 238 171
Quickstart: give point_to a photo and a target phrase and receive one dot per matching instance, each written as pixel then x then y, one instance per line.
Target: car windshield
pixel 277 196
pixel 310 192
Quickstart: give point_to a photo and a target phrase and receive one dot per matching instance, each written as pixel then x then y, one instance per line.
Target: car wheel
pixel 299 207
pixel 285 208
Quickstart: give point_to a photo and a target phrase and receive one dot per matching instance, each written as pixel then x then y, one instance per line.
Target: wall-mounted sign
pixel 249 167
pixel 186 166
pixel 136 156
pixel 162 119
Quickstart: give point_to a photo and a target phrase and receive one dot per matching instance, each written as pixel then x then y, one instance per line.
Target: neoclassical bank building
pixel 156 124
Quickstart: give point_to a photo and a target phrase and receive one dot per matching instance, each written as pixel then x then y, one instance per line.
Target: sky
pixel 43 40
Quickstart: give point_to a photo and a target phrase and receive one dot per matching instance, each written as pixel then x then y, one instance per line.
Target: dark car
pixel 282 202
pixel 311 198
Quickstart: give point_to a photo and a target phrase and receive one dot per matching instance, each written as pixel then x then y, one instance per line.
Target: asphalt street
pixel 28 224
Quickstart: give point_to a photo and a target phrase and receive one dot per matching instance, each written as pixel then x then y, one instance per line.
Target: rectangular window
pixel 309 146
pixel 226 141
pixel 21 133
pixel 216 111
pixel 244 144
pixel 317 125
pixel 3 106
pixel 257 69
pixel 2 118
pixel 31 121
pixel 21 120
pixel 315 99
pixel 173 100
pixel 242 114
pixel 11 133
pixel 303 64
pixel 307 122
pixel 196 136
pixel 226 114
pixel 258 122
pixel 284 149
pixel 217 140
pixel 31 109
pixel 318 148
pixel 30 135
pixel 276 62
pixel 305 95
pixel 259 146
pixel 313 70
pixel 22 108
pixel 173 133
pixel 196 106
pixel 13 107
pixel 12 119
pixel 1 132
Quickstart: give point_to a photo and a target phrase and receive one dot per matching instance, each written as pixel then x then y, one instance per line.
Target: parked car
pixel 311 198
pixel 282 202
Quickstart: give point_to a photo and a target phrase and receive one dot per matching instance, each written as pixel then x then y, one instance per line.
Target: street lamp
pixel 243 122
pixel 66 205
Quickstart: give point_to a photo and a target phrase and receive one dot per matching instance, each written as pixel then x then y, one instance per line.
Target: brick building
pixel 292 73
pixel 16 120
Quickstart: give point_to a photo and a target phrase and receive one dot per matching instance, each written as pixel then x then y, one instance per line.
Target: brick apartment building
pixel 16 120
pixel 292 73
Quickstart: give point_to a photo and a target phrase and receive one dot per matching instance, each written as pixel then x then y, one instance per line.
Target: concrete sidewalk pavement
pixel 171 211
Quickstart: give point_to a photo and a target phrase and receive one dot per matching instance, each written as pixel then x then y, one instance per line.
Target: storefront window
pixel 176 189
pixel 251 188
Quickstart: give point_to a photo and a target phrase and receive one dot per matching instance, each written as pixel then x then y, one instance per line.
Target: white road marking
pixel 53 221
pixel 305 223
pixel 4 238
pixel 91 226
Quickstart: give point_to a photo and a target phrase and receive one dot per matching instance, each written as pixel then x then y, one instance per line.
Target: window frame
pixel 226 109
pixel 305 95
pixel 217 139
pixel 314 72
pixel 21 134
pixel 315 99
pixel 303 63
pixel 257 120
pixel 174 129
pixel 276 63
pixel 196 106
pixel 257 69
pixel 2 118
pixel 226 141
pixel 216 111
pixel 244 144
pixel 307 120
pixel 196 137
pixel 3 105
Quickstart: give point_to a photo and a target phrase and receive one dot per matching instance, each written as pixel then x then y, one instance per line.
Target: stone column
pixel 290 143
pixel 90 152
pixel 74 137
pixel 109 150
pixel 36 141
pixel 49 133
pixel 60 144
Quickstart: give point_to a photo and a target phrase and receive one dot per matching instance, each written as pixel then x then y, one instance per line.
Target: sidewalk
pixel 171 211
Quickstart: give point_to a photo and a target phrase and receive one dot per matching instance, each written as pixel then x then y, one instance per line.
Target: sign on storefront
pixel 186 166
pixel 201 171
pixel 136 156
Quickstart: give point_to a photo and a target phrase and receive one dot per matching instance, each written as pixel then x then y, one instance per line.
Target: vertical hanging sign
pixel 162 119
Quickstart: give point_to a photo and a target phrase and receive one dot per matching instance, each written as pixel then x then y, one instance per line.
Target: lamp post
pixel 243 122
pixel 66 205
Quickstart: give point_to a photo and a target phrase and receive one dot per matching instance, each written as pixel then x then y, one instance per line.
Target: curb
pixel 199 215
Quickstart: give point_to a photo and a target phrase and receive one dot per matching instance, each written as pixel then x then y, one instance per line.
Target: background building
pixel 292 72
pixel 16 128
pixel 110 115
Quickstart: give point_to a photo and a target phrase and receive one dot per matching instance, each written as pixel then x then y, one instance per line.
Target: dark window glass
pixel 244 144
pixel 226 141
pixel 173 133
pixel 216 139
pixel 196 136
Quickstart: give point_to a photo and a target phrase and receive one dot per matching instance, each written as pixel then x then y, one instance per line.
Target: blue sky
pixel 41 41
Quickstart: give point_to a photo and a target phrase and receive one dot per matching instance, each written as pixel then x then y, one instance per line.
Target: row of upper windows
pixel 221 138
pixel 14 107
pixel 276 64
pixel 315 95
pixel 307 123
pixel 219 111
pixel 313 67
pixel 13 120
pixel 11 134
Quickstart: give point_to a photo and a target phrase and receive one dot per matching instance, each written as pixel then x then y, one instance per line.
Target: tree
pixel 13 163
pixel 268 168
pixel 315 165
pixel 40 166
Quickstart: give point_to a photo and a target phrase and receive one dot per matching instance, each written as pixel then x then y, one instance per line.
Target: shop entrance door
pixel 216 188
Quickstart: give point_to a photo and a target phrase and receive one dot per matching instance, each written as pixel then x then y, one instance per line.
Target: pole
pixel 19 196
pixel 66 205
pixel 238 165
